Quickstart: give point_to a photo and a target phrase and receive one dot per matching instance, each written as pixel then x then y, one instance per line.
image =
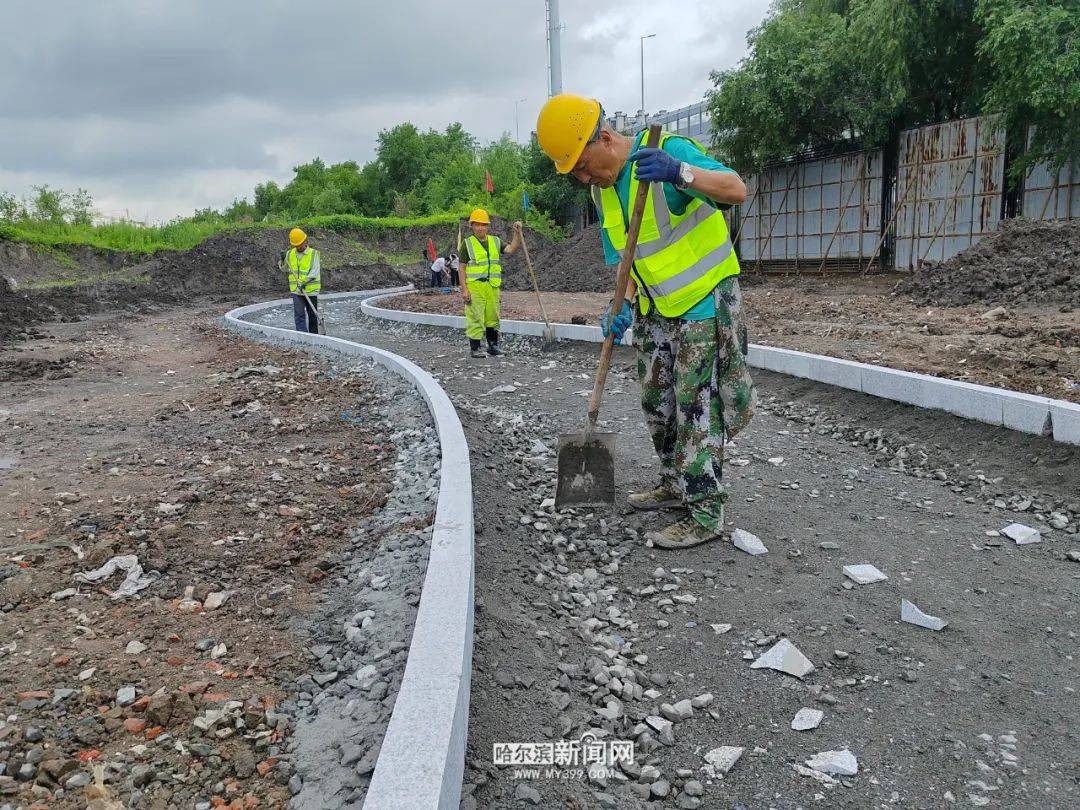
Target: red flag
pixel 488 185
pixel 431 249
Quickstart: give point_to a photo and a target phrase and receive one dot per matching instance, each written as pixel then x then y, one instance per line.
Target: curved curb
pixel 1026 413
pixel 422 760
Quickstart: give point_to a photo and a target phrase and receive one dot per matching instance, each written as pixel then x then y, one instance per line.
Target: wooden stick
pixel 772 224
pixel 955 199
pixel 843 210
pixel 892 218
pixel 536 287
pixel 742 220
pixel 622 281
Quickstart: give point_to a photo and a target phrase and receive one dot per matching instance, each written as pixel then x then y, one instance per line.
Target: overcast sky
pixel 159 108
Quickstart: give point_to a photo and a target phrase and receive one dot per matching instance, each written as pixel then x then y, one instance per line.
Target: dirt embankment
pixel 1024 262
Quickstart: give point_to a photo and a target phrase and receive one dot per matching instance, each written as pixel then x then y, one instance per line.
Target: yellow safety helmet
pixel 480 215
pixel 566 125
pixel 297 237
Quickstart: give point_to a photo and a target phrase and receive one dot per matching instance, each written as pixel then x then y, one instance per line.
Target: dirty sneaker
pixel 684 534
pixel 662 497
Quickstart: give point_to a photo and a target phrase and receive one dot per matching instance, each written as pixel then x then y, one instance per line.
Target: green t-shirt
pixel 677 199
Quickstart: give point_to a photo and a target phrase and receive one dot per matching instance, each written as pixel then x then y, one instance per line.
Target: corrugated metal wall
pixel 1052 196
pixel 949 184
pixel 827 209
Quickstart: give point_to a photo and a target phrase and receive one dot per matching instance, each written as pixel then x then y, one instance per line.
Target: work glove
pixel 619 324
pixel 656 166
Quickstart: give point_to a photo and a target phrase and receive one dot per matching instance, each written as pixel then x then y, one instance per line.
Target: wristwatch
pixel 686 175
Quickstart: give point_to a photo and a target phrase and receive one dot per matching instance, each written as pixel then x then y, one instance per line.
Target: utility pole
pixel 554 48
pixel 517 127
pixel 647 36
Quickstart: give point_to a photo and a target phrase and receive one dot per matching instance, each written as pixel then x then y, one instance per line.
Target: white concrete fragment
pixel 807 719
pixel 721 628
pixel 216 599
pixel 834 763
pixel 817 775
pixel 750 543
pixel 912 615
pixel 784 657
pixel 863 574
pixel 135 647
pixel 1022 535
pixel 720 760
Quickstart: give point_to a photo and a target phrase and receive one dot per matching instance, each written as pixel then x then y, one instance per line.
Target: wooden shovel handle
pixel 536 287
pixel 622 281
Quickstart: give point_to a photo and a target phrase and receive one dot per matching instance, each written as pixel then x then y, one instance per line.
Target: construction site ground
pixel 1034 348
pixel 983 712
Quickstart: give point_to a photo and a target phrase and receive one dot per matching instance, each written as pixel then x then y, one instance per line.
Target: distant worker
pixel 454 267
pixel 305 281
pixel 481 268
pixel 696 391
pixel 438 268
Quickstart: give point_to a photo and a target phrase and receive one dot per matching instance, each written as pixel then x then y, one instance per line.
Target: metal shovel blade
pixel 586 475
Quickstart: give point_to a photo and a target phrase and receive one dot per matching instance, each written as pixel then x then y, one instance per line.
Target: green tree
pixel 48 204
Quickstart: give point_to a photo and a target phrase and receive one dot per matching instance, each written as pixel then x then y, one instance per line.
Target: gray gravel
pixel 581 626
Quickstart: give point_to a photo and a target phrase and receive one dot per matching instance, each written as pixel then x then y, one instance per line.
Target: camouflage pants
pixel 696 392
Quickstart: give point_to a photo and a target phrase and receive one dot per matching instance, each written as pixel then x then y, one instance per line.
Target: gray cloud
pixel 168 104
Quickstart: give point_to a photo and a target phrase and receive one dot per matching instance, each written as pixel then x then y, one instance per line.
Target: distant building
pixel 694 121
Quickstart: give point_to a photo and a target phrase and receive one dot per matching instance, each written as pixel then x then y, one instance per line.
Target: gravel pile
pixel 1024 262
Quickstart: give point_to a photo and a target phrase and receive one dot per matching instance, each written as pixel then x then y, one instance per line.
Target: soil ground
pixel 192 449
pixel 1034 349
pixel 986 708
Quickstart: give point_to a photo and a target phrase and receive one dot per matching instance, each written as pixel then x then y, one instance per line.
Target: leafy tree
pixel 48 204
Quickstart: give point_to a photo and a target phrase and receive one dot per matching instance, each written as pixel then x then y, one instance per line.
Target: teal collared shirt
pixel 677 199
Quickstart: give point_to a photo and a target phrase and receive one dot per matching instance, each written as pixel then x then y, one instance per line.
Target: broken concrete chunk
pixel 135 647
pixel 720 760
pixel 863 574
pixel 834 763
pixel 1022 535
pixel 912 615
pixel 750 543
pixel 721 628
pixel 216 599
pixel 806 719
pixel 785 657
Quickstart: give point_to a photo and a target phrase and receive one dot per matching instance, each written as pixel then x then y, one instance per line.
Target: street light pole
pixel 647 36
pixel 517 128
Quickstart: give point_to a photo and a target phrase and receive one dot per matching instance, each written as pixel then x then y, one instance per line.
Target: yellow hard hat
pixel 565 126
pixel 297 237
pixel 480 215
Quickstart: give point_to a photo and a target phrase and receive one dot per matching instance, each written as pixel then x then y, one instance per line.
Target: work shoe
pixel 477 353
pixel 662 497
pixel 494 350
pixel 687 533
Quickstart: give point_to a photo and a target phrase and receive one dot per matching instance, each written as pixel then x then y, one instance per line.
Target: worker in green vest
pixel 686 308
pixel 481 267
pixel 305 280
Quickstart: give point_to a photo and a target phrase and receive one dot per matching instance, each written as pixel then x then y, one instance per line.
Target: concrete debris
pixel 912 615
pixel 864 574
pixel 1022 535
pixel 825 779
pixel 785 657
pixel 750 543
pixel 834 763
pixel 134 582
pixel 721 628
pixel 135 647
pixel 720 760
pixel 216 599
pixel 806 719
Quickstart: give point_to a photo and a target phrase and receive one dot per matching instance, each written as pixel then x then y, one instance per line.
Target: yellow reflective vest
pixel 300 271
pixel 484 264
pixel 679 259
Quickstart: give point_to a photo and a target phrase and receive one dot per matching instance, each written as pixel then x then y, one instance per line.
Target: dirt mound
pixel 1024 262
pixel 573 265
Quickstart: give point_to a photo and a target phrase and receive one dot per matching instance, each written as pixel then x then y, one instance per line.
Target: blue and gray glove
pixel 656 166
pixel 619 324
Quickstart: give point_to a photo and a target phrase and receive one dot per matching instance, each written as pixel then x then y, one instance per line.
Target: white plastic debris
pixel 785 657
pixel 863 574
pixel 750 543
pixel 134 582
pixel 834 763
pixel 720 760
pixel 806 719
pixel 1022 535
pixel 912 615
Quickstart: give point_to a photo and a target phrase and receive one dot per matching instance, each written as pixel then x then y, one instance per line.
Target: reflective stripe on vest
pixel 488 268
pixel 299 267
pixel 679 259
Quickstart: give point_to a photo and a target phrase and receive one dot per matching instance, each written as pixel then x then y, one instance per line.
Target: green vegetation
pixel 821 71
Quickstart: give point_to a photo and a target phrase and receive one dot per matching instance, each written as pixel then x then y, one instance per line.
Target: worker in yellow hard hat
pixel 305 280
pixel 696 392
pixel 481 267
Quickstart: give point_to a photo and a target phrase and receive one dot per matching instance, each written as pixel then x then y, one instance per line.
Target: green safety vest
pixel 679 259
pixel 299 267
pixel 487 268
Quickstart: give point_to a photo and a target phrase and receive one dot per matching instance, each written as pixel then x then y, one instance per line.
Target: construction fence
pixel 937 190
